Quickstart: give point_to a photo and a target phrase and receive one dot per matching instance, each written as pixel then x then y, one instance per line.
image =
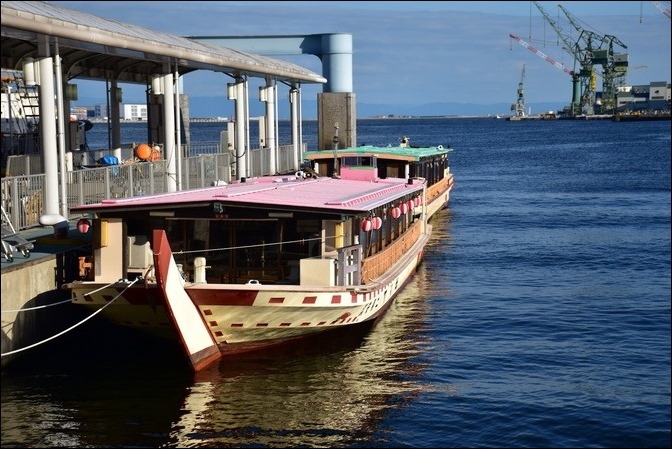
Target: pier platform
pixel 34 306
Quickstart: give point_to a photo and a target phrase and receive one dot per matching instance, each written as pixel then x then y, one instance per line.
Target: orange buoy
pixel 143 151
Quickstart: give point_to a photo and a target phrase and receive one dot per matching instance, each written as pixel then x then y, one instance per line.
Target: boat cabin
pixel 281 232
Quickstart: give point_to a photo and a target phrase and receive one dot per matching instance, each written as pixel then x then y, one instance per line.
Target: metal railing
pixel 23 196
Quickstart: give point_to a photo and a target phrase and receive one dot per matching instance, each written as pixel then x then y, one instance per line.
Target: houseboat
pixel 257 263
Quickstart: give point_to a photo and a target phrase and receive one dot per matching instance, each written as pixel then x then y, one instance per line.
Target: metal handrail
pixel 23 196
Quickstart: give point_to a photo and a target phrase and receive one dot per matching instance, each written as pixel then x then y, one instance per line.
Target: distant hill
pixel 216 107
pixel 221 107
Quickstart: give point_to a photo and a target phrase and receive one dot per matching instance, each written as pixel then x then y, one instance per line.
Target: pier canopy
pixel 92 47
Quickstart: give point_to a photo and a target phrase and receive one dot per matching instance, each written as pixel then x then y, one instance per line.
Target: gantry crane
pixel 519 105
pixel 600 50
pixel 583 89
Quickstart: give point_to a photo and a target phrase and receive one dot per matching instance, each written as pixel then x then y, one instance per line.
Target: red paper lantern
pixel 404 208
pixel 366 225
pixel 416 201
pixel 377 222
pixel 396 212
pixel 410 205
pixel 83 225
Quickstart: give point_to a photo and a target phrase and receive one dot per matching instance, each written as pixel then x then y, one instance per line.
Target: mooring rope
pixel 76 324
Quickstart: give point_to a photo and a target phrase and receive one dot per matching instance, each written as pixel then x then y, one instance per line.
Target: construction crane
pixel 662 9
pixel 519 105
pixel 600 50
pixel 583 88
pixel 542 55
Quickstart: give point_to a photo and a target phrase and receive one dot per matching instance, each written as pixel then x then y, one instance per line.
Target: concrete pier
pixel 34 307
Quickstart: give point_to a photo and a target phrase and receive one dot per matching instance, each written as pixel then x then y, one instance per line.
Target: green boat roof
pixel 406 153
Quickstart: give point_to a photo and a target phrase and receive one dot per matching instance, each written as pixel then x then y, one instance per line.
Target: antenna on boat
pixel 335 141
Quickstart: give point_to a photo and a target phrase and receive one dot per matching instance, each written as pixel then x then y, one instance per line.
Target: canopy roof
pixel 92 47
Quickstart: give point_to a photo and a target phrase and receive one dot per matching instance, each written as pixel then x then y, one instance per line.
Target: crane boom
pixel 568 45
pixel 662 9
pixel 542 54
pixel 599 50
pixel 583 92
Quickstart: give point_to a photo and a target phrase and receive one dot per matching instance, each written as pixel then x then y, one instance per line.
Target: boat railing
pixel 349 266
pixel 23 196
pixel 378 264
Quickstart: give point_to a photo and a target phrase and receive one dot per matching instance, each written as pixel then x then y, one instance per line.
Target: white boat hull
pixel 247 317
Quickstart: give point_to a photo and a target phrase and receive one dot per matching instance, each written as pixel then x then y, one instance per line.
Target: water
pixel 539 318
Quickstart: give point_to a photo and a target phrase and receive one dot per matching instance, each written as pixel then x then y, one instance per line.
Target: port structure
pixel 519 106
pixel 591 49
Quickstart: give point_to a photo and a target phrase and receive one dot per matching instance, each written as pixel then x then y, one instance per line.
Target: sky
pixel 414 52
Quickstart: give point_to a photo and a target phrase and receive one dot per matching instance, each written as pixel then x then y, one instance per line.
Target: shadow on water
pixel 101 386
pixel 110 390
pixel 334 395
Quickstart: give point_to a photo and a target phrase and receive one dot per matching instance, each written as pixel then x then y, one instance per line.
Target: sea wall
pixel 34 307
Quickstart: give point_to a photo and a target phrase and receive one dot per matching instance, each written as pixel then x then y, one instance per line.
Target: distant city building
pixel 135 112
pixel 79 113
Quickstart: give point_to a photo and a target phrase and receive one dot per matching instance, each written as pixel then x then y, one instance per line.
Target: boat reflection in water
pixel 343 393
pixel 335 397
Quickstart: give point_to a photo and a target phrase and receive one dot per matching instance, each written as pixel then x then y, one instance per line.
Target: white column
pixel 295 117
pixel 178 130
pixel 267 94
pixel 244 91
pixel 169 132
pixel 51 216
pixel 48 131
pixel 63 118
pixel 241 153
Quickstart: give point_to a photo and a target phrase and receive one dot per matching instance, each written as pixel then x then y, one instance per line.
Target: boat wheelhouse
pixel 402 161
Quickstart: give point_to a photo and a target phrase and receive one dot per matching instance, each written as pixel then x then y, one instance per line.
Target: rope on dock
pixel 74 325
pixel 56 303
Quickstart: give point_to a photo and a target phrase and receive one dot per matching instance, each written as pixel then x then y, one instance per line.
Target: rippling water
pixel 539 318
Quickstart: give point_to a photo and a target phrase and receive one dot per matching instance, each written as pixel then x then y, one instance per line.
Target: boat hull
pixel 242 318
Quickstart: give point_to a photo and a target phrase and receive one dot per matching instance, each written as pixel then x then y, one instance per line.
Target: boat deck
pixel 45 246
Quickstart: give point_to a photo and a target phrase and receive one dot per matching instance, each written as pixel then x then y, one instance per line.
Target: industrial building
pixel 652 97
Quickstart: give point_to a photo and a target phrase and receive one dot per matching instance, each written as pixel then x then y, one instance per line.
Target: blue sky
pixel 414 52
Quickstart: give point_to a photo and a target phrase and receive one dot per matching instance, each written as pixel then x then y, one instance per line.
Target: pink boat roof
pixel 321 193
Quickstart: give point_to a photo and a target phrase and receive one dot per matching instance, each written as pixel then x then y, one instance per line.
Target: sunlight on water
pixel 328 398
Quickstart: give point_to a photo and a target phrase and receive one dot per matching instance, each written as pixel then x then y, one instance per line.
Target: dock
pixel 34 308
